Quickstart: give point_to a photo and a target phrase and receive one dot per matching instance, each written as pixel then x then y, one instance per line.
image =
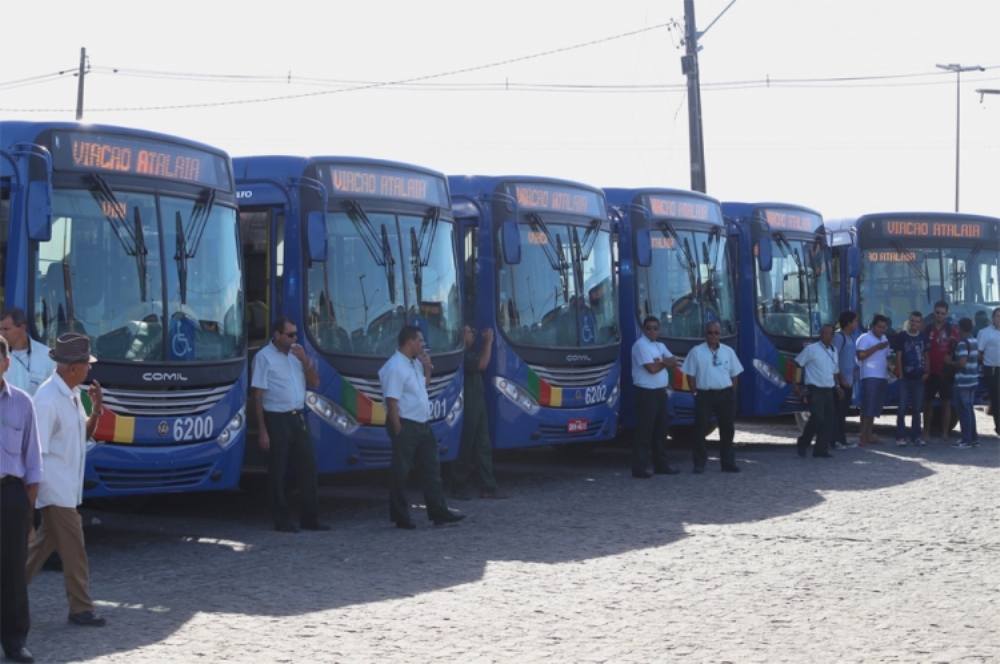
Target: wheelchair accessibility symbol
pixel 180 345
pixel 181 340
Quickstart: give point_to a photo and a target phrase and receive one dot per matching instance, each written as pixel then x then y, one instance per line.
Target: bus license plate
pixel 578 425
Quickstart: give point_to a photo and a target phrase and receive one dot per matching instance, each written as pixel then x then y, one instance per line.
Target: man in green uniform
pixel 476 443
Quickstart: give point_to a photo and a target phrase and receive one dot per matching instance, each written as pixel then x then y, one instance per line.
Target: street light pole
pixel 958 69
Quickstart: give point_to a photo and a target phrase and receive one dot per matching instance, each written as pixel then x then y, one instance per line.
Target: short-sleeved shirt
pixel 62 432
pixel 20 452
pixel 942 342
pixel 819 364
pixel 988 341
pixel 847 356
pixel 30 368
pixel 968 376
pixel 281 377
pixel 910 350
pixel 403 380
pixel 646 352
pixel 877 364
pixel 712 369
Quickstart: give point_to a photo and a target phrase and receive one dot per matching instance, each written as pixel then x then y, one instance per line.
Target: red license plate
pixel 578 425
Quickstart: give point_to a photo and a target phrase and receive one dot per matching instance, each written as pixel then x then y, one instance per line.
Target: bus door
pixel 470 270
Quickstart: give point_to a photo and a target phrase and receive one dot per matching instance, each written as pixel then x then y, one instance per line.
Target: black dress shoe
pixel 669 470
pixel 450 517
pixel 22 654
pixel 316 525
pixel 698 470
pixel 730 469
pixel 286 528
pixel 87 619
pixel 641 474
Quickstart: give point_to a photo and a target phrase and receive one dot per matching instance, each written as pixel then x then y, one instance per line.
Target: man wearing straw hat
pixel 63 429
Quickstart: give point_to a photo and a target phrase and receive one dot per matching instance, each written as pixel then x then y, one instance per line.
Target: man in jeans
pixel 912 356
pixel 966 364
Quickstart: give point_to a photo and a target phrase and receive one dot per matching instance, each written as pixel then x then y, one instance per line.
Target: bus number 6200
pixel 193 428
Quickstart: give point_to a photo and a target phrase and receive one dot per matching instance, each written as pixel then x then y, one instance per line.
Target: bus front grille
pixel 164 402
pixel 372 388
pixel 573 377
pixel 164 479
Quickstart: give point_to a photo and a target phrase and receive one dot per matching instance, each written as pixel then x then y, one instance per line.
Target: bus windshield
pixel 563 293
pixel 896 281
pixel 688 283
pixel 795 298
pixel 382 271
pixel 102 274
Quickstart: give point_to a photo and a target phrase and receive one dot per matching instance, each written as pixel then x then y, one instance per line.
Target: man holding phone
pixel 281 371
pixel 873 356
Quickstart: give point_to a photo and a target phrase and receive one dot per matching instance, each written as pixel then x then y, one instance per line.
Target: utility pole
pixel 958 69
pixel 79 84
pixel 689 66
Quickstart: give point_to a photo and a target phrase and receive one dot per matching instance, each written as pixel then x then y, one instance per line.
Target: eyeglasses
pixel 291 335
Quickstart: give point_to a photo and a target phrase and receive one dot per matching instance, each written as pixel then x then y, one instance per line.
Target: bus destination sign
pixel 132 155
pixel 554 198
pixel 358 180
pixel 798 220
pixel 965 229
pixel 683 207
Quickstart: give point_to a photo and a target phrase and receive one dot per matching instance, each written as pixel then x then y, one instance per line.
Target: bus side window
pixel 254 227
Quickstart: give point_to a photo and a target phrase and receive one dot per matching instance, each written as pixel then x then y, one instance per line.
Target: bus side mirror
pixel 853 262
pixel 316 235
pixel 39 208
pixel 643 248
pixel 511 240
pixel 764 257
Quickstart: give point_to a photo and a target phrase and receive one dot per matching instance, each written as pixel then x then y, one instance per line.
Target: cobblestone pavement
pixel 880 554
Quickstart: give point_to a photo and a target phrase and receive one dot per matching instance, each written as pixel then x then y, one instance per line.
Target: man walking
pixel 943 337
pixel 966 363
pixel 476 446
pixel 873 355
pixel 988 341
pixel 650 376
pixel 713 372
pixel 821 373
pixel 20 473
pixel 912 347
pixel 405 377
pixel 63 430
pixel 281 371
pixel 30 364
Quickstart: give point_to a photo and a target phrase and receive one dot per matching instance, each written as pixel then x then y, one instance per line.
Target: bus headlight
pixel 228 434
pixel 769 372
pixel 456 410
pixel 517 394
pixel 614 394
pixel 332 413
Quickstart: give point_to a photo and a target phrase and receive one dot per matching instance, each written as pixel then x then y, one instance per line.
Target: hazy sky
pixel 612 113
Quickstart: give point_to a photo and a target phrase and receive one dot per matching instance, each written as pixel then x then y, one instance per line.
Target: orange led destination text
pixel 551 200
pixel 361 182
pixel 794 222
pixel 669 207
pixel 933 229
pixel 88 154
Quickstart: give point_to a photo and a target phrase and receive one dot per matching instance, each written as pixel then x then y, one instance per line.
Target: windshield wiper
pixel 390 265
pixel 366 230
pixel 114 212
pixel 181 256
pixel 782 241
pixel 556 258
pixel 683 250
pixel 416 265
pixel 589 239
pixel 189 239
pixel 420 248
pixel 140 254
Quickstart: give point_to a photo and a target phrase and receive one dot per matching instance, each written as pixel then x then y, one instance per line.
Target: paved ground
pixel 881 554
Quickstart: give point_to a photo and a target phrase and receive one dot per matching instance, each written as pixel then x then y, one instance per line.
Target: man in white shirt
pixel 873 356
pixel 988 342
pixel 281 371
pixel 713 373
pixel 821 373
pixel 63 429
pixel 405 377
pixel 30 364
pixel 650 376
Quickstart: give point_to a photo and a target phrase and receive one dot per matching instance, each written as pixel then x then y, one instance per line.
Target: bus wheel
pixel 801 420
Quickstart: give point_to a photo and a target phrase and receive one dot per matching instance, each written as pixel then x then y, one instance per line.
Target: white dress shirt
pixel 281 377
pixel 31 367
pixel 62 432
pixel 646 352
pixel 988 341
pixel 819 364
pixel 403 380
pixel 712 369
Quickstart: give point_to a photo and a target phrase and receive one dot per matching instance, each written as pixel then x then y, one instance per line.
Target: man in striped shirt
pixel 966 363
pixel 21 470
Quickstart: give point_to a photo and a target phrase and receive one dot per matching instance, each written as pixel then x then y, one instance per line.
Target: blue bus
pixel 554 375
pixel 132 238
pixel 673 250
pixel 785 296
pixel 899 262
pixel 352 249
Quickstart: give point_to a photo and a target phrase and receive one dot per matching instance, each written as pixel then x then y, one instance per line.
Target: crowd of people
pixel 46 426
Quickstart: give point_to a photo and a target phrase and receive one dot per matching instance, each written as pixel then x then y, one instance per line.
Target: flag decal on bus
pixel 679 380
pixel 361 408
pixel 110 427
pixel 791 372
pixel 543 393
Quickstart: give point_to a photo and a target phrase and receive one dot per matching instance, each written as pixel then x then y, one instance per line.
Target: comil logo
pixel 156 376
pixel 578 358
pixel 243 194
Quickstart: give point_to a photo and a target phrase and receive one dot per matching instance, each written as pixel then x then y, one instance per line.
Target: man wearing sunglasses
pixel 650 362
pixel 281 371
pixel 713 372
